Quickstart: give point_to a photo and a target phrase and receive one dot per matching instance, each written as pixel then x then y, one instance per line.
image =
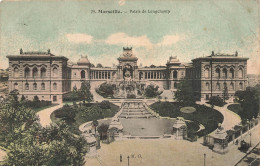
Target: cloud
pixel 123 39
pixel 171 39
pixel 79 38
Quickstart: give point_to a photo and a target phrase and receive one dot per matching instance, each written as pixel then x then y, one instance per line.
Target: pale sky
pixel 191 29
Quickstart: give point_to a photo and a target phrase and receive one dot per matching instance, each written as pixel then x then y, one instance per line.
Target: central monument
pixel 127 83
pixel 127 65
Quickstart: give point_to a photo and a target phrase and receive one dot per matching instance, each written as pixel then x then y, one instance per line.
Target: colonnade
pixel 101 74
pixel 153 75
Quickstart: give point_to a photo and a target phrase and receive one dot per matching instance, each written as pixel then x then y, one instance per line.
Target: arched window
pixel 15 85
pixel 55 71
pixel 231 86
pixel 43 72
pixel 224 84
pixel 43 86
pixel 240 86
pixel 175 85
pixel 207 86
pixel 54 86
pixel 207 73
pixel 16 72
pixel 26 86
pixel 34 86
pixel 225 73
pixel 26 72
pixel 217 86
pixel 35 72
pixel 83 74
pixel 240 73
pixel 218 73
pixel 175 74
pixel 231 72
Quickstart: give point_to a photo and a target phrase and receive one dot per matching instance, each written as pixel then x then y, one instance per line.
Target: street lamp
pixel 204 159
pixel 250 132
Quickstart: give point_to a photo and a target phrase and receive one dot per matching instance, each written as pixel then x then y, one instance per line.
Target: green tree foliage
pixel 106 90
pixel 225 94
pixel 12 118
pixel 30 144
pixel 151 91
pixel 22 98
pixel 249 100
pixel 53 145
pixel 184 93
pixel 95 124
pixel 84 92
pixel 102 130
pixel 216 100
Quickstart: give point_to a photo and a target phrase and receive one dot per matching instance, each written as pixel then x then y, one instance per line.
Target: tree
pixel 12 117
pixel 85 93
pixel 184 93
pixel 95 124
pixel 22 98
pixel 249 100
pixel 30 144
pixel 225 94
pixel 102 130
pixel 53 145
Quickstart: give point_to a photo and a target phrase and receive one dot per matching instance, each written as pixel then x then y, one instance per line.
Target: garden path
pixel 96 96
pixel 2 155
pixel 230 118
pixel 45 115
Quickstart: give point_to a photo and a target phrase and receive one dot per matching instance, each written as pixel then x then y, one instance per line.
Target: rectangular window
pixel 54 98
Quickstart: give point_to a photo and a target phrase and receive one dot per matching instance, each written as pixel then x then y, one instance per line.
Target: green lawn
pixel 235 108
pixel 87 113
pixel 206 116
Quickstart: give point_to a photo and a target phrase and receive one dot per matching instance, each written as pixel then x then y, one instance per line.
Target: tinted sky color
pixel 191 29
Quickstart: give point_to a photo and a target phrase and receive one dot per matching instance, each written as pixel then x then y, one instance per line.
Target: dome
pixel 83 60
pixel 173 60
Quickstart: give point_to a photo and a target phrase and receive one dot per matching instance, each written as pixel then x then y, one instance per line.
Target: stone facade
pixel 39 74
pixel 211 74
pixel 48 76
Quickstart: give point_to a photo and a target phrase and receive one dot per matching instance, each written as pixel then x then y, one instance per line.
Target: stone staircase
pixel 135 110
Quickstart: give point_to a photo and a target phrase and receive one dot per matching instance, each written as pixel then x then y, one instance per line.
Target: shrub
pixel 105 90
pixel 66 113
pixel 105 104
pixel 216 100
pixel 71 96
pixel 36 98
pixel 130 96
pixel 151 91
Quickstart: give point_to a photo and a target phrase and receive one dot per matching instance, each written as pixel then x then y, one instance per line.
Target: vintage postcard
pixel 129 83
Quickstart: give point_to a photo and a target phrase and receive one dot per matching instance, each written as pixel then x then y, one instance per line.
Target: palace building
pixel 49 76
